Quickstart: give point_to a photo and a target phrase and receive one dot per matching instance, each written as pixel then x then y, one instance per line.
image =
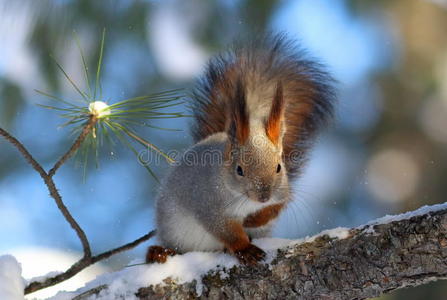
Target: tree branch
pixel 370 261
pixel 125 247
pixel 84 263
pixel 85 131
pixel 87 259
pixel 67 215
pixel 28 157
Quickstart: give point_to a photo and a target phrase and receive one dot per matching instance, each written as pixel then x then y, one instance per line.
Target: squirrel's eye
pixel 239 171
pixel 278 168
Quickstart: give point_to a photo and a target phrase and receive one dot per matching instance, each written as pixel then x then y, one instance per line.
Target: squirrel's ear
pixel 273 126
pixel 239 125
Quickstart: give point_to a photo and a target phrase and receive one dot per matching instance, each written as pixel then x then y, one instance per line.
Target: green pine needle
pixel 98 70
pixel 116 122
pixel 87 78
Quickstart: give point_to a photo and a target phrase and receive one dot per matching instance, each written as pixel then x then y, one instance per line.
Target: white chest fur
pixel 190 235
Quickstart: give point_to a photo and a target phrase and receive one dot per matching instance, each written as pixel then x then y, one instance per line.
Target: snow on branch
pixel 389 253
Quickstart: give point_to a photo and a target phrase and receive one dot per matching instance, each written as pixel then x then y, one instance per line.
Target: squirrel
pixel 256 113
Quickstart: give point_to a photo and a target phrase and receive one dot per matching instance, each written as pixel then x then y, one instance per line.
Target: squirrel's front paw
pixel 250 255
pixel 158 254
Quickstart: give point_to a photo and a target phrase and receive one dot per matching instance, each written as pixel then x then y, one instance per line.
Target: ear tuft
pixel 239 127
pixel 273 125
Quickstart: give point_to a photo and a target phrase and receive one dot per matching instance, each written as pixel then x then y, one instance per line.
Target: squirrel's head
pixel 253 155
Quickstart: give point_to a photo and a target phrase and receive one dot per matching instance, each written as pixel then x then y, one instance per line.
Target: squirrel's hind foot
pixel 158 254
pixel 250 255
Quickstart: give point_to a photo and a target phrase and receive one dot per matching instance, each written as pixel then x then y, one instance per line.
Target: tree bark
pixel 372 260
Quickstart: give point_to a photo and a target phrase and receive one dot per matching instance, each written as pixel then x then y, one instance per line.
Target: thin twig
pixel 66 213
pixel 48 180
pixel 28 157
pixel 125 247
pixel 84 263
pixel 87 128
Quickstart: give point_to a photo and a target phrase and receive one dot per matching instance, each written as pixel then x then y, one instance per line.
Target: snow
pixel 100 109
pixel 192 266
pixel 335 233
pixel 39 263
pixel 369 227
pixel 180 268
pixel 11 282
pixel 44 277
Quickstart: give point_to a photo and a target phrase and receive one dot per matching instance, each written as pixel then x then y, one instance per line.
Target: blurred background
pixel 384 154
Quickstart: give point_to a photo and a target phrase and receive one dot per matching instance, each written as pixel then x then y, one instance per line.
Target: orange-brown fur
pixel 158 254
pixel 273 126
pixel 233 236
pixel 306 87
pixel 222 89
pixel 239 116
pixel 262 217
pixel 299 127
pixel 238 242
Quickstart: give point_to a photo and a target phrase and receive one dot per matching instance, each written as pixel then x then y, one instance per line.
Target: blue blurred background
pixel 384 154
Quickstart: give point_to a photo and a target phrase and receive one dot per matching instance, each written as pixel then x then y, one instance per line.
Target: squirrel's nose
pixel 264 193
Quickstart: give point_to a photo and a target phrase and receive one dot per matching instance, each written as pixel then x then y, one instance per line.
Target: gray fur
pixel 195 200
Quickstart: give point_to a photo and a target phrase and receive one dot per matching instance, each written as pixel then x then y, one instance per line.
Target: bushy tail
pixel 267 61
